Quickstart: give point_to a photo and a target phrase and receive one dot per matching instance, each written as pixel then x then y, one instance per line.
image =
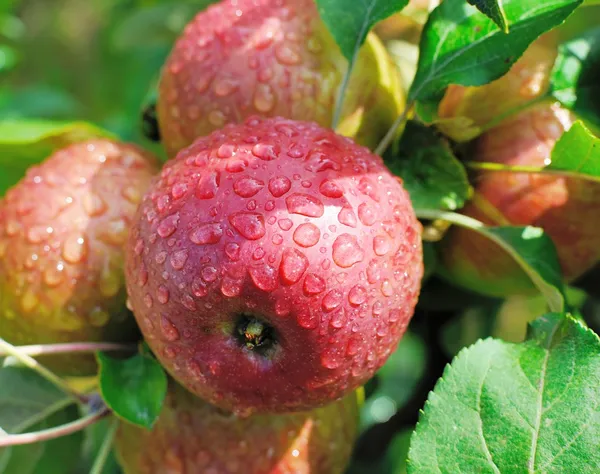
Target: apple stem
pixel 37 350
pixel 53 433
pixel 255 334
pixel 389 136
pixel 486 166
pixel 34 365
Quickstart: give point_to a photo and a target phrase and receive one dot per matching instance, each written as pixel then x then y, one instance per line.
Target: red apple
pixel 566 208
pixel 274 266
pixel 192 436
pixel 271 57
pixel 63 229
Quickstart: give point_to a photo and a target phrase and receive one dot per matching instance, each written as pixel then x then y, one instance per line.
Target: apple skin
pixel 192 436
pixel 566 208
pixel 466 112
pixel 64 226
pixel 287 223
pixel 271 58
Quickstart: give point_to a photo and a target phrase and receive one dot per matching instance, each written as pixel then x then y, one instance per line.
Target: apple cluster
pixel 273 263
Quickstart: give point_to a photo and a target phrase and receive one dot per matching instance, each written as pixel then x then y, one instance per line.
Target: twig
pixel 102 456
pixel 389 136
pixel 485 166
pixel 53 433
pixel 68 348
pixel 31 363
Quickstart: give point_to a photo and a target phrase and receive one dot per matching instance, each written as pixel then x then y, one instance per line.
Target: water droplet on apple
pixel 279 185
pixel 168 329
pixel 307 235
pixel 305 205
pixel 293 265
pixel 250 225
pixel 247 187
pixel 347 251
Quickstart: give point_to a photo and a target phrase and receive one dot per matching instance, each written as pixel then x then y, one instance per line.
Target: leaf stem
pixel 53 433
pixel 553 297
pixel 339 101
pixel 102 456
pixel 68 348
pixel 389 136
pixel 485 166
pixel 34 365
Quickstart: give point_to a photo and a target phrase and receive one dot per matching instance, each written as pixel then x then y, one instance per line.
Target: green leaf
pixel 396 381
pixel 28 402
pixel 574 79
pixel 350 22
pixel 578 151
pixel 460 45
pixel 494 10
pixel 59 455
pixel 535 252
pixel 24 143
pixel 19 412
pixel 397 453
pixel 155 26
pixel 133 388
pixel 516 408
pixel 432 175
pixel 94 438
pixel 530 247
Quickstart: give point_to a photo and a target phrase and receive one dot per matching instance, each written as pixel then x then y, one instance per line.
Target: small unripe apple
pixel 566 208
pixel 271 58
pixel 466 112
pixel 274 266
pixel 63 229
pixel 192 436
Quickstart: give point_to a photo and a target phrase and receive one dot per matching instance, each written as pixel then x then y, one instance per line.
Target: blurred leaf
pixel 19 412
pixel 94 437
pixel 438 294
pixel 156 26
pixel 27 142
pixel 518 408
pixel 21 459
pixel 475 322
pixel 29 402
pixel 493 10
pixel 60 455
pixel 405 55
pixel 432 175
pixel 460 45
pixel 578 151
pixel 29 133
pixel 133 388
pixel 397 453
pixel 350 22
pixel 56 456
pixel 574 79
pixel 11 27
pixel 37 101
pixel 8 58
pixel 396 381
